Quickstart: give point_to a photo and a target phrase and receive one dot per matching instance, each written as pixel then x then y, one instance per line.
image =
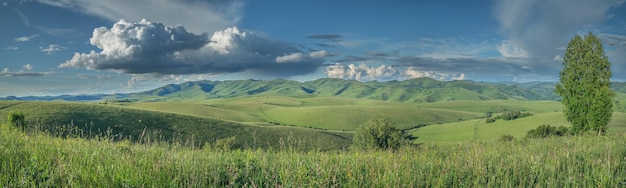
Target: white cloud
pixel 28 67
pixel 147 47
pixel 319 54
pixel 413 72
pixel 198 15
pixel 136 79
pixel 24 38
pixel 22 73
pixel 361 72
pixel 557 58
pixel 294 57
pixel 52 48
pixel 508 49
pixel 540 26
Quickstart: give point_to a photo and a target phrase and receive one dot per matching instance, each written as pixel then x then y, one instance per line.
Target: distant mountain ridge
pixel 414 90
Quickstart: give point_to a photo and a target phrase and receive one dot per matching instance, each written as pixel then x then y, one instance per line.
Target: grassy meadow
pixel 91 119
pixel 281 141
pixel 40 160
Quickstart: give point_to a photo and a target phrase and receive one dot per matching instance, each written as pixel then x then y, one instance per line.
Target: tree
pixel 378 133
pixel 585 85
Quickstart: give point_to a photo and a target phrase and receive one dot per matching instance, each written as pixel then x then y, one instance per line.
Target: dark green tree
pixel 585 85
pixel 378 133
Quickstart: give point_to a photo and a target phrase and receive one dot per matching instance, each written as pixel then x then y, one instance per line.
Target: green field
pixel 287 141
pixel 447 122
pixel 39 160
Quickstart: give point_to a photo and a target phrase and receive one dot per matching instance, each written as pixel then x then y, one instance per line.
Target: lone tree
pixel 585 85
pixel 378 133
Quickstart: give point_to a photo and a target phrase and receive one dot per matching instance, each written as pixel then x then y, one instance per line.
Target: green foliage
pixel 585 85
pixel 226 144
pixel 378 133
pixel 512 115
pixel 490 120
pixel 545 131
pixel 16 118
pixel 507 138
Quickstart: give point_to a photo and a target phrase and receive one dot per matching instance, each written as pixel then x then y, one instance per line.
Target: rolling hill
pixel 136 123
pixel 414 90
pixel 420 90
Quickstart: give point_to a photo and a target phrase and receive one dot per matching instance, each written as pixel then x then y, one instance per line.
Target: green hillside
pixel 127 122
pixel 332 113
pixel 414 90
pixel 479 130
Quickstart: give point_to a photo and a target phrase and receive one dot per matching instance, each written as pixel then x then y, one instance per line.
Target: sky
pixel 58 47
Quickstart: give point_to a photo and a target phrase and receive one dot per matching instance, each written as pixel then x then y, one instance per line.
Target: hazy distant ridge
pixel 414 90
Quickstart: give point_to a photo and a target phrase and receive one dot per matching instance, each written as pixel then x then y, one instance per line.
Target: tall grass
pixel 40 160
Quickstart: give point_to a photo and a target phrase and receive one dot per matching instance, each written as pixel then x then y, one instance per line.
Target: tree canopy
pixel 585 85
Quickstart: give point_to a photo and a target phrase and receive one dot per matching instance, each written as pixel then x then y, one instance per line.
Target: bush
pixel 378 133
pixel 507 138
pixel 490 120
pixel 226 144
pixel 512 115
pixel 545 131
pixel 16 119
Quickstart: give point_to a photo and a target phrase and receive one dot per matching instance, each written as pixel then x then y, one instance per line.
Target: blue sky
pixel 82 47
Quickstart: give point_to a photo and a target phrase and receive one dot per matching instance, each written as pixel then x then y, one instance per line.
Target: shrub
pixel 512 115
pixel 507 138
pixel 545 131
pixel 378 133
pixel 490 120
pixel 16 119
pixel 226 144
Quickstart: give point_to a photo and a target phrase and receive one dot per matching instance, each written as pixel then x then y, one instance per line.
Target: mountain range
pixel 414 90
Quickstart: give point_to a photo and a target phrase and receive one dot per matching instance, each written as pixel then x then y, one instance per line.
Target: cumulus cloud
pixel 52 48
pixel 413 72
pixel 198 15
pixel 147 47
pixel 540 26
pixel 361 72
pixel 557 58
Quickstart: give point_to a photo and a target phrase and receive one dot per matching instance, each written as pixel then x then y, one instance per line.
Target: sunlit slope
pixel 414 90
pixel 130 122
pixel 333 113
pixel 479 130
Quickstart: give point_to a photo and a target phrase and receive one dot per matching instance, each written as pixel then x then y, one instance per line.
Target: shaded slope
pixel 134 123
